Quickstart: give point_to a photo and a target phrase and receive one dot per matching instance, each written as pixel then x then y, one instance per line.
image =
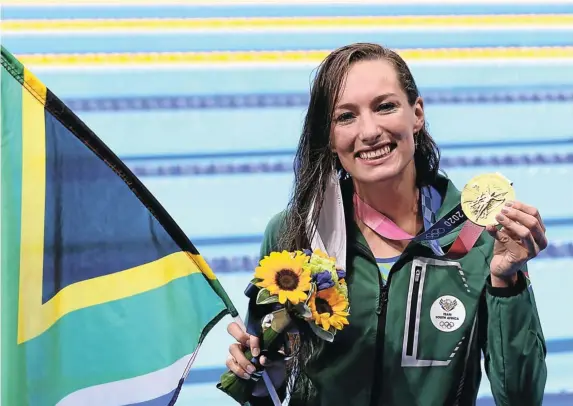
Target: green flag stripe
pixel 96 345
pixel 13 365
pixel 13 65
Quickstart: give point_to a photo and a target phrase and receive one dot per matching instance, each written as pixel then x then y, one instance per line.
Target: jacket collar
pixel 336 219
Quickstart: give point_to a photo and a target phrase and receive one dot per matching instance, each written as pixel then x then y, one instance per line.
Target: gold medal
pixel 484 196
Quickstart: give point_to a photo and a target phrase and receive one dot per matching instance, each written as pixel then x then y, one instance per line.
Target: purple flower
pixel 307 252
pixel 323 280
pixel 341 273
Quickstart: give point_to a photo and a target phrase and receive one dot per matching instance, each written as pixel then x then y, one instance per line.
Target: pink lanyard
pixel 386 228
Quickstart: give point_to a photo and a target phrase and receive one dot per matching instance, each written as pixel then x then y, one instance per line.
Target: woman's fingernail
pixel 251 369
pixel 247 376
pixel 255 352
pixel 509 204
pixel 504 210
pixel 500 217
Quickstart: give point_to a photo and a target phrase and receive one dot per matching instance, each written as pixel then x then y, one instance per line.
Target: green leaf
pixel 281 320
pixel 303 310
pixel 310 292
pixel 320 332
pixel 264 297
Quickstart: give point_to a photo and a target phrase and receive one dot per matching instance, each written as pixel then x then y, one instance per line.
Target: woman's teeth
pixel 377 153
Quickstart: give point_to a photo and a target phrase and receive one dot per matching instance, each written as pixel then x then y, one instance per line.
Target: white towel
pixel 330 233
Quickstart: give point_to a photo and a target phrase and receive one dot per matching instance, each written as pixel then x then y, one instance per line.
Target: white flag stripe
pixel 133 390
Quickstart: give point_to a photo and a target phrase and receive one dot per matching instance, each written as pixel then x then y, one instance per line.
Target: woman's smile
pixel 376 156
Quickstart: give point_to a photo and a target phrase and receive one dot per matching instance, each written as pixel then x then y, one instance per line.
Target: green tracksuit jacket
pixel 418 340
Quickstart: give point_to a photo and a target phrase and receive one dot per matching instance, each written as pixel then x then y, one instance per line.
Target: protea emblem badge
pixel 448 313
pixel 447 304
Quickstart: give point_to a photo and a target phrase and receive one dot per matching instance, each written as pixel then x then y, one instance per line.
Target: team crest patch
pixel 447 313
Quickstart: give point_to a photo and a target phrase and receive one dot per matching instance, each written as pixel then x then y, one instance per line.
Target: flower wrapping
pixel 303 284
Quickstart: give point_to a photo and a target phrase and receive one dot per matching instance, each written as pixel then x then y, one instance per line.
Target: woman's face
pixel 373 124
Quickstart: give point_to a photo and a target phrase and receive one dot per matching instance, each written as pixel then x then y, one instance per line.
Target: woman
pixel 419 320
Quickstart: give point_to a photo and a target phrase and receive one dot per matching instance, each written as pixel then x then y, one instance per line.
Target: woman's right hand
pixel 243 368
pixel 236 361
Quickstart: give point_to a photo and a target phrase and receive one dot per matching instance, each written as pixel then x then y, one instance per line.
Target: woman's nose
pixel 370 131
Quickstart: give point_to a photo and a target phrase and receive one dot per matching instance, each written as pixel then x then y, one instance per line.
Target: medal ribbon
pixel 433 230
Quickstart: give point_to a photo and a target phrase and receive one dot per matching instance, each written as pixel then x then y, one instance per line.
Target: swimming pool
pixel 230 130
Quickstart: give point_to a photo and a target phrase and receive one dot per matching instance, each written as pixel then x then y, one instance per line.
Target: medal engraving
pixel 484 196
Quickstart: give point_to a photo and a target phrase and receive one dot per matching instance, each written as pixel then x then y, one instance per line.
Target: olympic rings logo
pixel 446 324
pixel 435 233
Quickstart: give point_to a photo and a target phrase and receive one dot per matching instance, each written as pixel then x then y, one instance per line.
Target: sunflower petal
pixel 282 296
pixel 301 296
pixel 262 272
pixel 273 288
pixel 292 296
pixel 336 324
pixel 325 322
pixel 304 285
pixel 265 283
pixel 339 307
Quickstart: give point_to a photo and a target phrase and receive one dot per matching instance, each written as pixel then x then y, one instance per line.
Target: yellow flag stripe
pixel 33 203
pixel 35 317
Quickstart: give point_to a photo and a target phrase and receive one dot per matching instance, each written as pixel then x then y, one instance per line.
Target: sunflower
pixel 283 274
pixel 329 308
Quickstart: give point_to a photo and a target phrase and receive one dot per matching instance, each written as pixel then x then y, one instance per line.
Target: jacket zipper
pixel 413 307
pixel 380 334
pixel 380 329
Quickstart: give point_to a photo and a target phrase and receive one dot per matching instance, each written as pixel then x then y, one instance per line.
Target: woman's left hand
pixel 521 238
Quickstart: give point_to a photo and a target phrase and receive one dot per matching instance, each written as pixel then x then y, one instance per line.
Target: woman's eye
pixel 386 107
pixel 344 117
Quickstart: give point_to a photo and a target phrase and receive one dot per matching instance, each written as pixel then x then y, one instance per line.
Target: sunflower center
pixel 286 279
pixel 322 306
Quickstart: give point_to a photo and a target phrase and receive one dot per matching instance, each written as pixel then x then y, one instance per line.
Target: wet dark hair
pixel 314 158
pixel 314 163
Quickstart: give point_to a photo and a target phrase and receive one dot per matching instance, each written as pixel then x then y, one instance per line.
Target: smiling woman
pixel 372 99
pixel 368 191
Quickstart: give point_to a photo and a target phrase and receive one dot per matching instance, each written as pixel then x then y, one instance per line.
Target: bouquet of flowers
pixel 304 285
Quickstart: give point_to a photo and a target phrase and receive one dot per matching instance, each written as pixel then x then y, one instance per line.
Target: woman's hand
pixel 243 368
pixel 236 361
pixel 521 238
